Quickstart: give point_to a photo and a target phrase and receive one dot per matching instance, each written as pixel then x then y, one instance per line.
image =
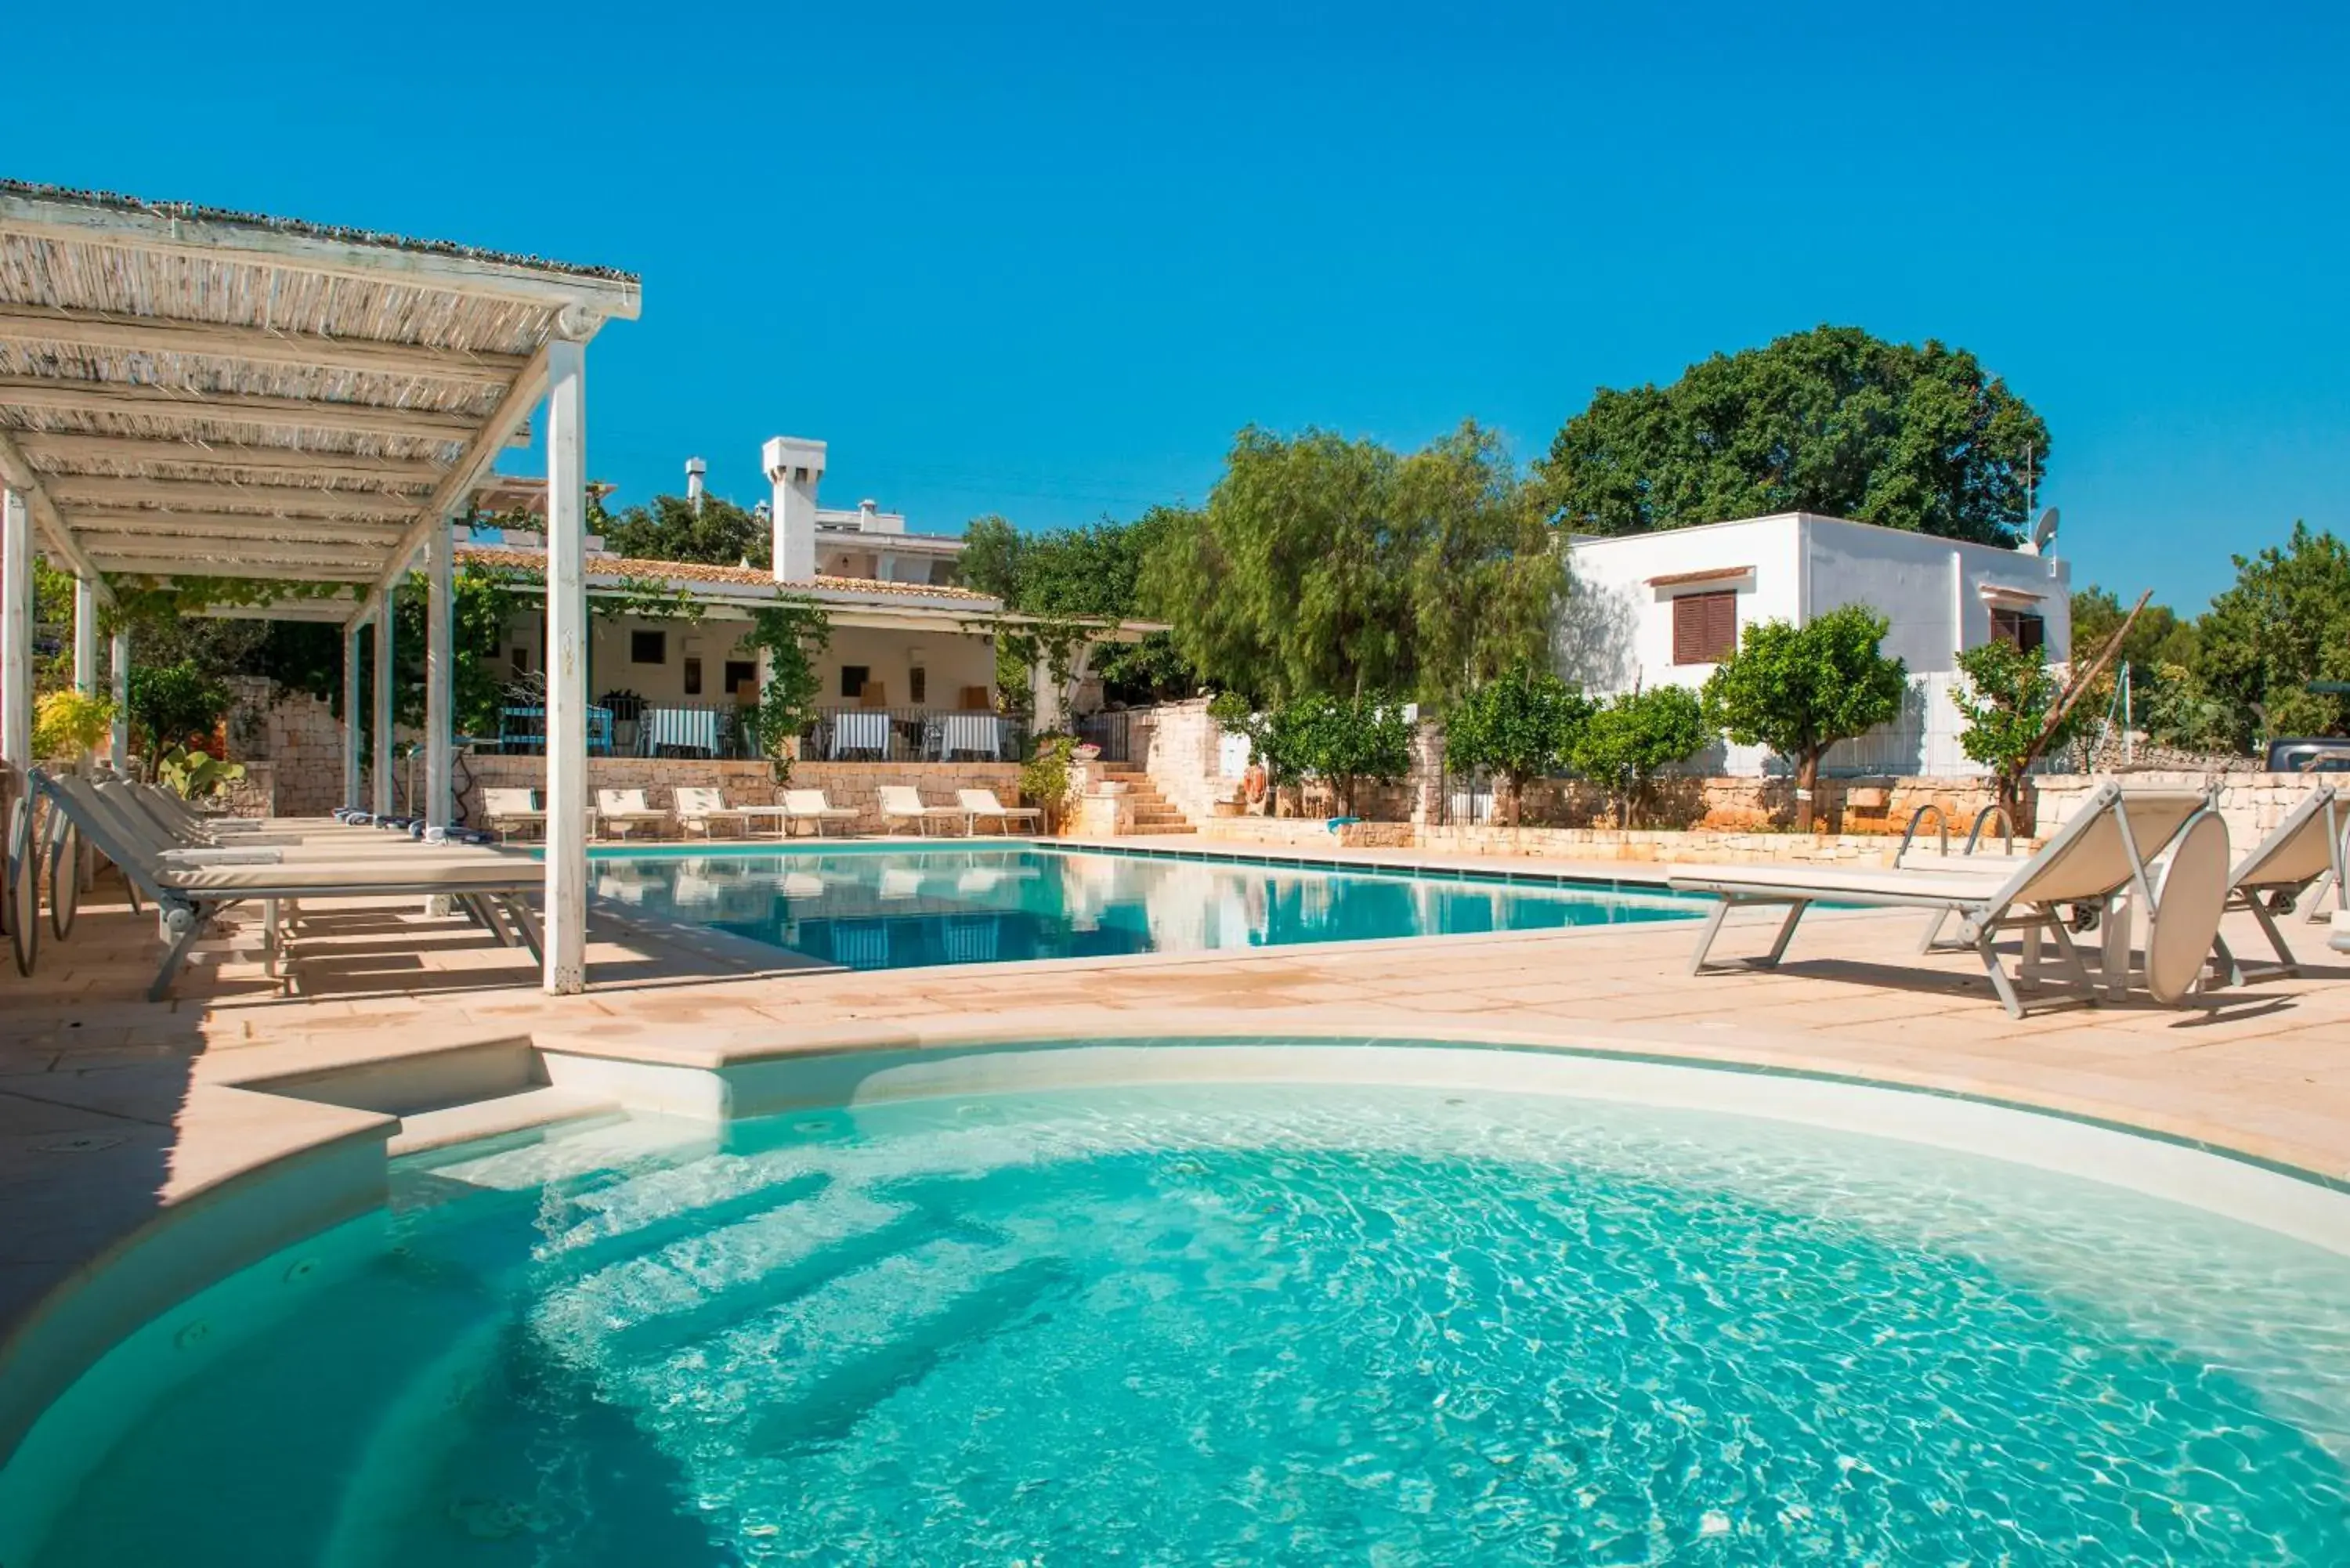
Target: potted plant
pixel 69 725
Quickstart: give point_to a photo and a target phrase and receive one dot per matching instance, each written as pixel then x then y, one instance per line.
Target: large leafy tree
pixel 1832 420
pixel 1323 565
pixel 1799 690
pixel 2284 623
pixel 1519 727
pixel 669 528
pixel 1088 573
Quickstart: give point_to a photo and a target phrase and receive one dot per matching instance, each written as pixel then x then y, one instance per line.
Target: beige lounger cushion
pixel 1934 888
pixel 420 873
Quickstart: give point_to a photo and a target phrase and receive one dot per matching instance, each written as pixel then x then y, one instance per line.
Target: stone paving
pixel 112 1107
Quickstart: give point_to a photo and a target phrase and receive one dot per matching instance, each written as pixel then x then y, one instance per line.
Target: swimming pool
pixel 897 908
pixel 1216 1324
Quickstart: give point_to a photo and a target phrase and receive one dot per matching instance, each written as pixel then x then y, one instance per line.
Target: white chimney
pixel 694 469
pixel 865 519
pixel 794 465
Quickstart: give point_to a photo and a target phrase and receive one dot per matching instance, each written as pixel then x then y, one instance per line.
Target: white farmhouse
pixel 1647 608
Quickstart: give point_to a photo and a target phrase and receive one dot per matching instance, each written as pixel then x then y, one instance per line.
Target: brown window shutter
pixel 1721 627
pixel 1689 630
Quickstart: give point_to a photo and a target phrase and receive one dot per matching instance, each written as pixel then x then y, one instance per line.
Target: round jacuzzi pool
pixel 1303 1323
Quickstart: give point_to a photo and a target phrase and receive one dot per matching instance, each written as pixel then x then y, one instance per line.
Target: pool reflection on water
pixel 901 908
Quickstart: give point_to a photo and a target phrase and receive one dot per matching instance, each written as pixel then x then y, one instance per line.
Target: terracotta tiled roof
pixel 703 571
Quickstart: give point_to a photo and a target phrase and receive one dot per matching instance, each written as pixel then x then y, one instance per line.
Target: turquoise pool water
pixel 1385 1327
pixel 896 908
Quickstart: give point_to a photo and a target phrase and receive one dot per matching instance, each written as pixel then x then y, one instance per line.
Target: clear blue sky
pixel 1044 259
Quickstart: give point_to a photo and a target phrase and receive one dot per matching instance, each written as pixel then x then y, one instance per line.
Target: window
pixel 648 648
pixel 743 673
pixel 918 684
pixel 1705 626
pixel 2025 629
pixel 521 661
pixel 853 677
pixel 693 677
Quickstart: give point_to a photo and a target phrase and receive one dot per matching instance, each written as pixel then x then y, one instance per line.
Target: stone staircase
pixel 1152 811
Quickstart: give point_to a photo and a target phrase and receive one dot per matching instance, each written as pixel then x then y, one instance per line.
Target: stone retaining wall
pixel 855 785
pixel 2250 803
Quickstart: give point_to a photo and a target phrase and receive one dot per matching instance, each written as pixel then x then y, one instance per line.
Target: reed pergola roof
pixel 186 392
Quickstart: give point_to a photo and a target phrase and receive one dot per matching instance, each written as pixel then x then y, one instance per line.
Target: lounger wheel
pixel 24 889
pixel 65 878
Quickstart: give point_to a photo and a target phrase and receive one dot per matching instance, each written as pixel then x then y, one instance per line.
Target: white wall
pixel 951 660
pixel 1616 632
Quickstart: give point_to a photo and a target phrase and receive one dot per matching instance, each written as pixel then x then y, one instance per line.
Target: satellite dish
pixel 2044 534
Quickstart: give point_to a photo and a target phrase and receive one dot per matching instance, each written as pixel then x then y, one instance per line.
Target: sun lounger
pixel 2302 849
pixel 980 804
pixel 903 803
pixel 697 808
pixel 507 810
pixel 2107 848
pixel 624 810
pixel 810 806
pixel 190 887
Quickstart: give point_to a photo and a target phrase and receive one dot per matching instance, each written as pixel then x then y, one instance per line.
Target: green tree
pixel 1832 420
pixel 668 528
pixel 793 632
pixel 2159 637
pixel 1519 726
pixel 1799 690
pixel 1347 739
pixel 1633 735
pixel 2009 694
pixel 2284 623
pixel 176 704
pixel 1078 578
pixel 1325 564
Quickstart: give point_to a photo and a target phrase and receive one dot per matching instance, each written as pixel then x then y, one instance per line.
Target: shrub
pixel 1518 726
pixel 1633 735
pixel 2009 696
pixel 1799 690
pixel 1044 781
pixel 176 705
pixel 70 724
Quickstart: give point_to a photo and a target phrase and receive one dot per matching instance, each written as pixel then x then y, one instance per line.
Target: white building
pixel 1647 608
pixel 828 542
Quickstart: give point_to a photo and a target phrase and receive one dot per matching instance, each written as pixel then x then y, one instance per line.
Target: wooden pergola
pixel 189 394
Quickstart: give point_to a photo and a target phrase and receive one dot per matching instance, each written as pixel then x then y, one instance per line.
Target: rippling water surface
pixel 1378 1326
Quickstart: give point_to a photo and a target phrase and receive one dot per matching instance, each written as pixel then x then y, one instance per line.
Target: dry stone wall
pixel 2250 803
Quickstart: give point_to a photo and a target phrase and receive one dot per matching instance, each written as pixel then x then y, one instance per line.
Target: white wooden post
pixel 439 680
pixel 118 660
pixel 351 717
pixel 85 637
pixel 16 629
pixel 565 935
pixel 381 739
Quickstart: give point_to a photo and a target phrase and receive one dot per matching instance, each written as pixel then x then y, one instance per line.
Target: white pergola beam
pixel 332 609
pixel 168 568
pixel 73 491
pixel 118 661
pixel 511 414
pixel 85 629
pixel 565 941
pixel 52 449
pixel 351 717
pixel 131 400
pixel 16 631
pixel 99 529
pixel 177 230
pixel 439 677
pixel 24 324
pixel 354 558
pixel 17 470
pixel 380 739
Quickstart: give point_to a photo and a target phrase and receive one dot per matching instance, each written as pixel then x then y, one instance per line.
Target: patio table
pixel 686 728
pixel 980 734
pixel 860 733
